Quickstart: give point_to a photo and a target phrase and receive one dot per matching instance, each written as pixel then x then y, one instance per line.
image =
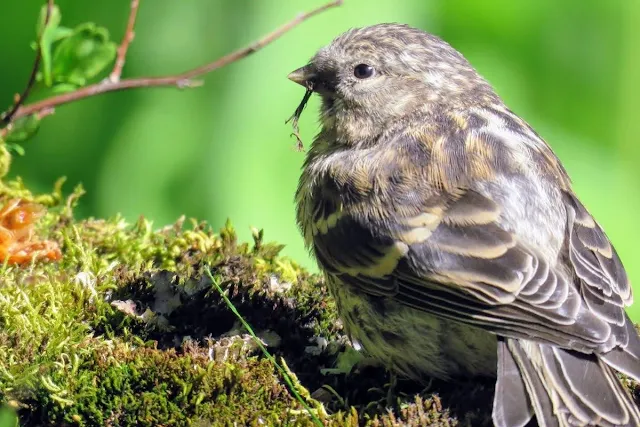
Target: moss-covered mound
pixel 127 329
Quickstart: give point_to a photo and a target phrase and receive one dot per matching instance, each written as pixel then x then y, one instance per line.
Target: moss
pixel 127 330
pixel 128 385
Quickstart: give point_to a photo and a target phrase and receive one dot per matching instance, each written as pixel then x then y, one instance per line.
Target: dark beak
pixel 303 76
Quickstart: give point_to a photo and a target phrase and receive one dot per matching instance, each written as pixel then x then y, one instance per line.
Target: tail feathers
pixel 588 388
pixel 563 388
pixel 512 406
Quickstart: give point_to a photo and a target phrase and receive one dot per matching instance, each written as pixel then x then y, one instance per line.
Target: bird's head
pixel 368 77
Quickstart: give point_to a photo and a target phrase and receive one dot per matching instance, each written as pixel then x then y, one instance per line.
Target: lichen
pixel 127 330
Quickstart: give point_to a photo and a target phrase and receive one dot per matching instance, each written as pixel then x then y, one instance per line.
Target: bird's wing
pixel 454 259
pixel 482 272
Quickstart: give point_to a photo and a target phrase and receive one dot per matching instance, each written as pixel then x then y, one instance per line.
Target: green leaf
pixel 83 55
pixel 48 34
pixel 23 129
pixel 61 33
pixel 15 148
pixel 54 36
pixel 63 88
pixel 54 19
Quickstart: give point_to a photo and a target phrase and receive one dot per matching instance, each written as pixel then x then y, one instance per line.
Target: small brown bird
pixel 451 239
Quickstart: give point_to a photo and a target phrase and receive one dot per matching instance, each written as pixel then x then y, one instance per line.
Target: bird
pixel 450 236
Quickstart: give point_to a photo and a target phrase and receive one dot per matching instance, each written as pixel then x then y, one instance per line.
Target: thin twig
pixel 178 80
pixel 9 116
pixel 129 34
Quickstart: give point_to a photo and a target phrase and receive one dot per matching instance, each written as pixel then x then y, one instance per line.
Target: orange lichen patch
pixel 18 242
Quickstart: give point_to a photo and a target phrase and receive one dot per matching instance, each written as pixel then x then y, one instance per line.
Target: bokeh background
pixel 223 151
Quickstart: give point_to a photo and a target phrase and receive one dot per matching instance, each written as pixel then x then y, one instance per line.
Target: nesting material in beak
pixel 303 77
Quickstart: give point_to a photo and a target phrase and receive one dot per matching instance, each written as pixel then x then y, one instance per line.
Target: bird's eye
pixel 363 71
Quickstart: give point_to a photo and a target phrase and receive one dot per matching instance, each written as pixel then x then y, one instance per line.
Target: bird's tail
pixel 560 387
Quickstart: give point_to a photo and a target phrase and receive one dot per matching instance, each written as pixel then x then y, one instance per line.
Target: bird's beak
pixel 303 75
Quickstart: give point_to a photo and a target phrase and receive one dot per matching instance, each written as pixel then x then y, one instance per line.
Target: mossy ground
pixel 127 330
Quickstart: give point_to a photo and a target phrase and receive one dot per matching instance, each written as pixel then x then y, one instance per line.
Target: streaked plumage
pixel 451 238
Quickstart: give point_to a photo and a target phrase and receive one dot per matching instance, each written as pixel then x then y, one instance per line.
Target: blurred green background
pixel 222 151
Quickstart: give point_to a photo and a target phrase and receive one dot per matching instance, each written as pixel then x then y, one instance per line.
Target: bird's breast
pixel 343 184
pixel 415 344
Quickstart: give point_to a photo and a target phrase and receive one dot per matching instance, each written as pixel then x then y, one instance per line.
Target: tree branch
pixel 126 41
pixel 181 80
pixel 10 115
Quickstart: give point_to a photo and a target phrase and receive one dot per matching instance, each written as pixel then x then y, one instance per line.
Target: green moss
pixel 127 385
pixel 127 330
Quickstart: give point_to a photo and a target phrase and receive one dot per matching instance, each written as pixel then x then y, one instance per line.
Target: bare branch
pixel 126 41
pixel 9 116
pixel 181 80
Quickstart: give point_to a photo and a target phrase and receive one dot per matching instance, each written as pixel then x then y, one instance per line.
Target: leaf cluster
pixel 69 58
